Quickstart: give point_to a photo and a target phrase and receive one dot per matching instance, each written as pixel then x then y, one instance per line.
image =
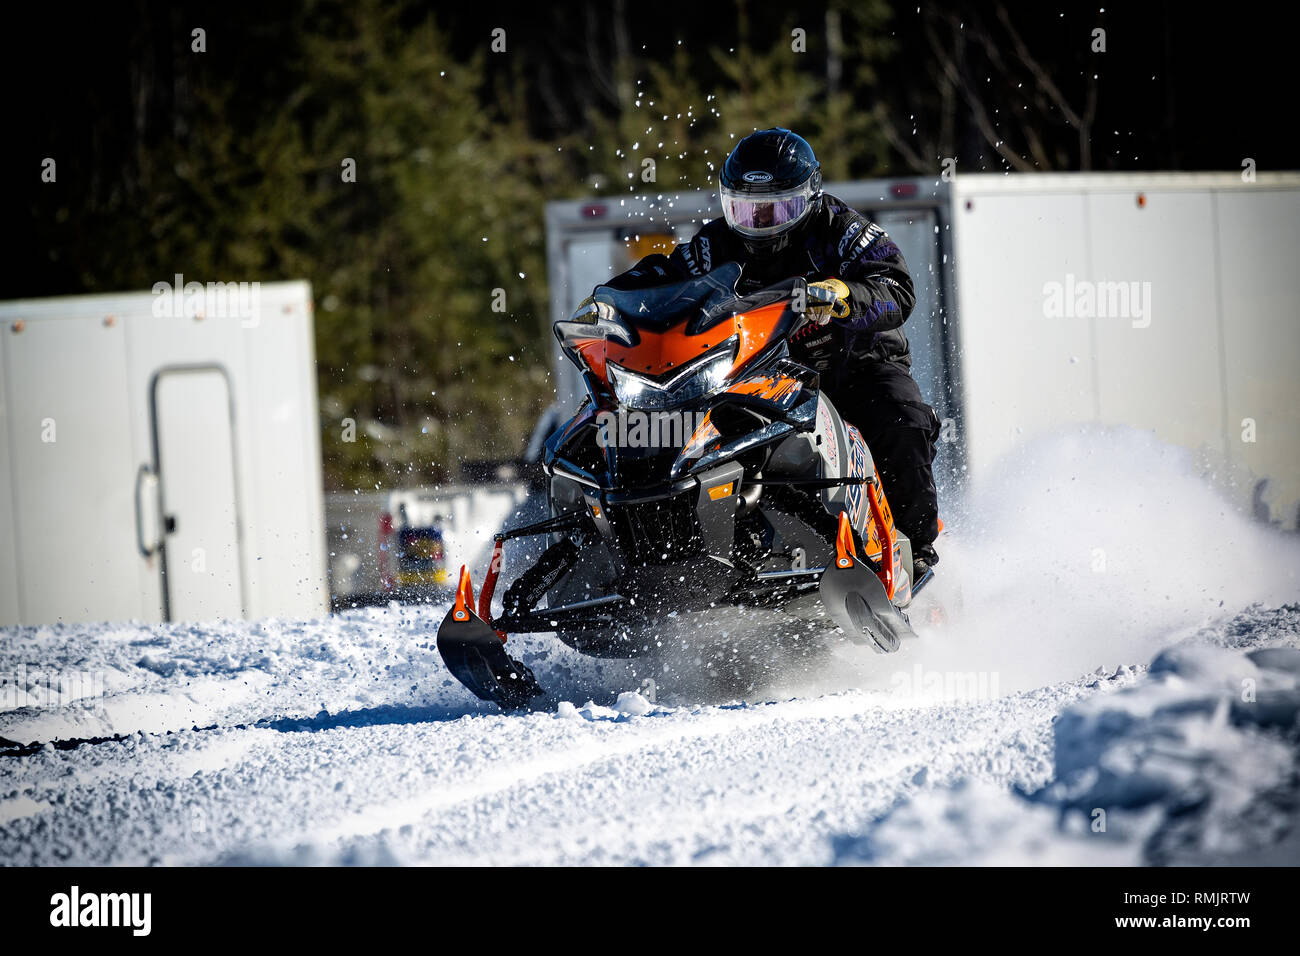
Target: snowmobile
pixel 704 470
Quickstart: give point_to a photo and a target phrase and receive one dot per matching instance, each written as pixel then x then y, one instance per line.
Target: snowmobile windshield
pixel 661 306
pixel 720 310
pixel 763 215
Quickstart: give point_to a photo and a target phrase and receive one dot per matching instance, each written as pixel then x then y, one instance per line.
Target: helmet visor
pixel 765 215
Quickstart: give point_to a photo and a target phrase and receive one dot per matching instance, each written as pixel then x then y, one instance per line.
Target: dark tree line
pixel 428 265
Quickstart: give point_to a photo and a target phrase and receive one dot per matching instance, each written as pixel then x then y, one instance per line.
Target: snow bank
pixel 1201 762
pixel 156 678
pixel 1197 763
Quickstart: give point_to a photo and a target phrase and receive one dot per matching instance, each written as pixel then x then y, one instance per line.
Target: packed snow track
pixel 1095 690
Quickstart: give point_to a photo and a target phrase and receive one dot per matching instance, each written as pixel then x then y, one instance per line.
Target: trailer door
pixel 69 466
pixel 194 457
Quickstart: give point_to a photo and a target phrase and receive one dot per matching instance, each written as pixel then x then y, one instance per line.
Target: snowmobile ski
pixel 856 599
pixel 476 655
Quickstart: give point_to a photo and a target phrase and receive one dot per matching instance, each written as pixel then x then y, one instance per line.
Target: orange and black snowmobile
pixel 704 470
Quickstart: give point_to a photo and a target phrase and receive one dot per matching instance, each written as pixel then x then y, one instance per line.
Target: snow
pixel 1114 679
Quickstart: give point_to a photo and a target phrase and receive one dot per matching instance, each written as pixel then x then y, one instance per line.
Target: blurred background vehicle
pixel 408 544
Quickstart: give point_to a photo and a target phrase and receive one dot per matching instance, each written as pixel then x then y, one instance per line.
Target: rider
pixel 778 223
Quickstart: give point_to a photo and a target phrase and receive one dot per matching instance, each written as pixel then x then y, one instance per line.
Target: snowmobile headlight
pixel 704 375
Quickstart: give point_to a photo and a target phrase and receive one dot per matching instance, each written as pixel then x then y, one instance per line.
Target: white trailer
pixel 1163 301
pixel 161 456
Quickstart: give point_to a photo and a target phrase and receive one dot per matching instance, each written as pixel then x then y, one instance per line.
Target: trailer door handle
pixel 146 540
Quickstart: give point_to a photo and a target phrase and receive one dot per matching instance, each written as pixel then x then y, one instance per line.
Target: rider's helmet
pixel 770 185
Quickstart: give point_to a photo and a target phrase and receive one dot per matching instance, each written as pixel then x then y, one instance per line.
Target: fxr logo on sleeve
pixel 869 235
pixel 103 909
pixel 698 256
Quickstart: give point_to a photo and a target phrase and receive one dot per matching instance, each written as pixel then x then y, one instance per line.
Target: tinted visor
pixel 765 215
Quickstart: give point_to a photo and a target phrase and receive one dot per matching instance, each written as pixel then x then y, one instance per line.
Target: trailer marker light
pixel 594 211
pixel 903 190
